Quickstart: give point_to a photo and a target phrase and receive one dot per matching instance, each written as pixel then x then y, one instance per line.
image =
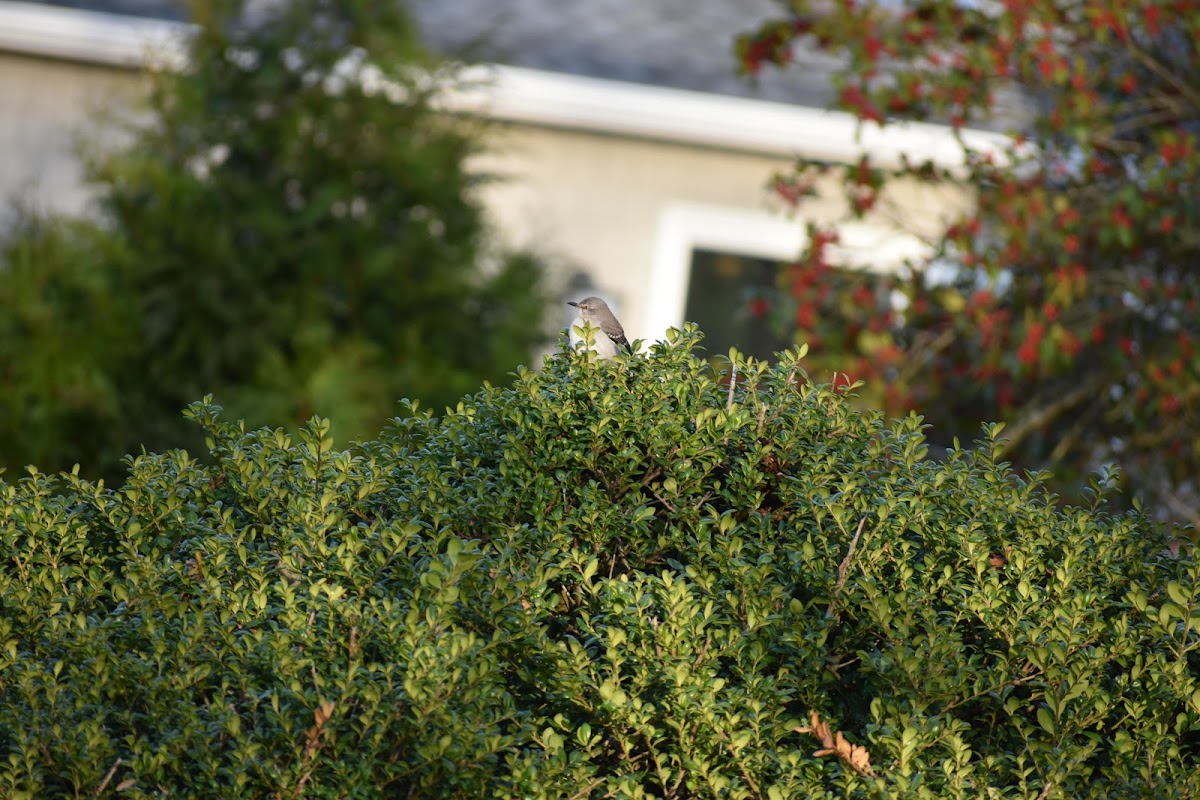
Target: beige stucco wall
pixel 44 105
pixel 598 203
pixel 595 201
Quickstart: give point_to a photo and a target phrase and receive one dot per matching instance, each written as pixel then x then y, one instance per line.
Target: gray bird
pixel 595 311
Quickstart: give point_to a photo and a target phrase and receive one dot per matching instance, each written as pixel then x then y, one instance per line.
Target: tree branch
pixel 1020 429
pixel 1162 71
pixel 927 350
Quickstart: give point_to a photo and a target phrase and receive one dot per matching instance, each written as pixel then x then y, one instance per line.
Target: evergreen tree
pixel 295 228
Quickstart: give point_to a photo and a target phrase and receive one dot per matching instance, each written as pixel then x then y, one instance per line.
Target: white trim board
pixel 541 98
pixel 94 37
pixel 684 227
pixel 733 123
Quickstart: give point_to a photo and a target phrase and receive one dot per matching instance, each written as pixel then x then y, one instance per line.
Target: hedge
pixel 634 578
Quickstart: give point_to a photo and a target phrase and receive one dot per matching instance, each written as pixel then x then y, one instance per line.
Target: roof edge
pixel 535 97
pixel 763 127
pixel 93 37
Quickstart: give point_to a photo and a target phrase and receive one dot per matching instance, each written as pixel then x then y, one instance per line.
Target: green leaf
pixel 1177 593
pixel 1046 721
pixel 590 569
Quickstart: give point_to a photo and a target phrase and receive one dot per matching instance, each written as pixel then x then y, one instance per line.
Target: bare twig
pixel 741 765
pixel 305 778
pixel 703 652
pixel 650 475
pixel 587 790
pixel 666 503
pixel 732 383
pixel 1036 676
pixel 844 567
pixel 108 777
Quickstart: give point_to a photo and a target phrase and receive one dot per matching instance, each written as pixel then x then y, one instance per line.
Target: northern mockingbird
pixel 595 312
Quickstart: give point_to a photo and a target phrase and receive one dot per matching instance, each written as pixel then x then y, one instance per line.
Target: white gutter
pixel 735 123
pixel 550 99
pixel 90 36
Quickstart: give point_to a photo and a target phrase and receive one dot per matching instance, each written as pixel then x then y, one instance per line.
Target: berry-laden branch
pixel 1068 276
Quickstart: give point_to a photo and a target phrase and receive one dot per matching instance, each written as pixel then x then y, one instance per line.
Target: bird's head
pixel 589 304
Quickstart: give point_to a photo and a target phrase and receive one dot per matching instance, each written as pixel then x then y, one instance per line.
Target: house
pixel 635 153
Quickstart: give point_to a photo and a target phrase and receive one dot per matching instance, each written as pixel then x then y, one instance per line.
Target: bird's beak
pixel 572 304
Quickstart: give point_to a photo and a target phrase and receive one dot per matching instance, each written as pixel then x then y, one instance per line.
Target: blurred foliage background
pixel 291 227
pixel 1066 303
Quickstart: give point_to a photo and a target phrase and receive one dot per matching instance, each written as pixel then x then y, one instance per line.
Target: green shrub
pixel 616 579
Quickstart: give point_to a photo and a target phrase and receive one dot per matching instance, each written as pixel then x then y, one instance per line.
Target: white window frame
pixel 685 227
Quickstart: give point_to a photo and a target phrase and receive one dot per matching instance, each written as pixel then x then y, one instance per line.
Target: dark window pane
pixel 724 298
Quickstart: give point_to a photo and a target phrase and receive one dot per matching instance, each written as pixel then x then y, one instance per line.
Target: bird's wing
pixel 620 341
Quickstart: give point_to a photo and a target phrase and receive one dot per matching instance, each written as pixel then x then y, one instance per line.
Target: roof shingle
pixel 683 44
